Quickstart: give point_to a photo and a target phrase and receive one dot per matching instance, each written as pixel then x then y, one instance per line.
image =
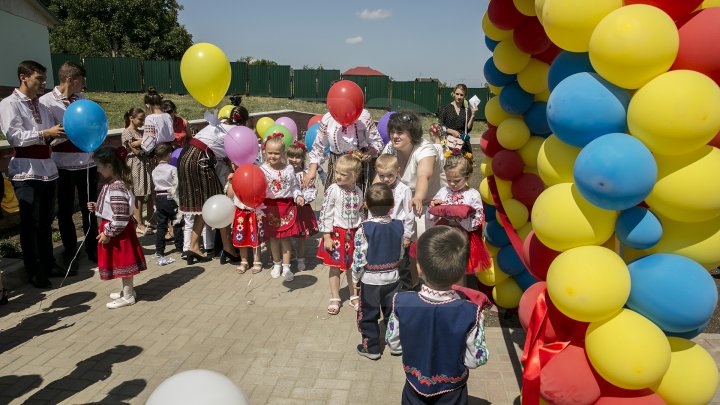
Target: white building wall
pixel 20 40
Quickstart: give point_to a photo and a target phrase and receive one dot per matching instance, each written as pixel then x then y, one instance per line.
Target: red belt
pixel 32 152
pixel 67 147
pixel 201 145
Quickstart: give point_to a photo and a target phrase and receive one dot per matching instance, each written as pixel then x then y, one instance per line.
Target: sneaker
pixel 372 356
pixel 121 302
pixel 275 272
pixel 289 276
pixel 301 264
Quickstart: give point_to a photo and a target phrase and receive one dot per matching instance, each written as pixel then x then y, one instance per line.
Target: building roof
pixel 363 71
pixel 32 10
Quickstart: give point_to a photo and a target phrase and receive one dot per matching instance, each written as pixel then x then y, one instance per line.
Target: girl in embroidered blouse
pixel 340 217
pixel 458 168
pixel 307 224
pixel 119 252
pixel 282 198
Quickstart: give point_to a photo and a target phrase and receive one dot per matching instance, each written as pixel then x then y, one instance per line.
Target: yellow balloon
pixel 628 350
pixel 492 249
pixel 563 219
pixel 503 186
pixel 205 72
pixel 570 23
pixel 588 283
pixel 507 293
pixel 539 4
pixel 224 112
pixel 692 377
pixel 493 32
pixel 533 78
pixel 508 58
pixel 634 44
pixel 525 7
pixel 710 3
pixel 530 151
pixel 494 112
pixel 684 190
pixel 516 211
pixel 263 124
pixel 556 160
pixel 513 133
pixel 486 166
pixel 698 241
pixel 679 124
pixel 494 89
pixel 487 276
pixel 544 96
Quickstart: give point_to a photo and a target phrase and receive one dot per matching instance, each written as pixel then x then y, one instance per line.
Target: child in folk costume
pixel 119 252
pixel 340 216
pixel 440 335
pixel 468 211
pixel 247 232
pixel 283 195
pixel 307 224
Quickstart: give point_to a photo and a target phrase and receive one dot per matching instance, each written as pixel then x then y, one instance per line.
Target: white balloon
pixel 197 387
pixel 218 211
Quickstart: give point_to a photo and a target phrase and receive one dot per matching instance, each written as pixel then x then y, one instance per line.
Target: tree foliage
pixel 147 29
pixel 261 62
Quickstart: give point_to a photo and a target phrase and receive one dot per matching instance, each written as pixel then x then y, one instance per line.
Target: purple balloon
pixel 175 156
pixel 288 123
pixel 241 145
pixel 382 126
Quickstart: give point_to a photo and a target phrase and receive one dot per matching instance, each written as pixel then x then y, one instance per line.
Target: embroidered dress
pixel 306 222
pixel 141 166
pixel 340 216
pixel 122 256
pixel 479 259
pixel 281 211
pixel 247 228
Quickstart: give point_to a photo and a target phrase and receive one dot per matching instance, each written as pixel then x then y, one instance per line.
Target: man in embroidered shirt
pixel 29 129
pixel 75 168
pixel 442 335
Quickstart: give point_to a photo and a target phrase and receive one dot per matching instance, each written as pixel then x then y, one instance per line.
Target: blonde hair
pixel 349 162
pixel 387 162
pixel 276 140
pixel 459 162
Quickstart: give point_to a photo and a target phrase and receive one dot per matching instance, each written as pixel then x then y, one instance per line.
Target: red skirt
pixel 122 256
pixel 342 256
pixel 306 222
pixel 247 229
pixel 280 218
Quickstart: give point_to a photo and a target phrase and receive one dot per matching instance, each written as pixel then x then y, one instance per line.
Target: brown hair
pixel 130 114
pixel 379 199
pixel 460 86
pixel 459 162
pixel 163 151
pixel 296 151
pixel 28 67
pixel 153 98
pixel 406 121
pixel 70 70
pixel 109 155
pixel 442 254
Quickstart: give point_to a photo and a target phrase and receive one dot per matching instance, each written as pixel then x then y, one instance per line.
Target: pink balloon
pixel 288 123
pixel 241 145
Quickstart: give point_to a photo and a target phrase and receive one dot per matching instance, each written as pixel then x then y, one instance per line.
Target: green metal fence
pixel 426 96
pixel 280 81
pixel 377 92
pixel 99 74
pixel 325 80
pixel 403 96
pixel 238 82
pixel 305 84
pixel 176 84
pixel 127 74
pixel 258 77
pixel 157 73
pixel 57 59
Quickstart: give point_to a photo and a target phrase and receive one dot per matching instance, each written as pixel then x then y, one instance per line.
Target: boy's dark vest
pixel 384 245
pixel 433 338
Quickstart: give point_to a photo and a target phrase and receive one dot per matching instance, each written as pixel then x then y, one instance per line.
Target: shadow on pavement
pixel 513 335
pixel 27 295
pixel 159 287
pixel 301 281
pixel 15 386
pixel 87 372
pixel 126 391
pixel 477 401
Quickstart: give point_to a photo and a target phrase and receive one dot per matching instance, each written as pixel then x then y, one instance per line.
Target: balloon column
pixel 599 136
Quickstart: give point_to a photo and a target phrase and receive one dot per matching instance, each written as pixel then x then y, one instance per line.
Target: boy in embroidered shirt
pixel 165 178
pixel 442 335
pixel 378 252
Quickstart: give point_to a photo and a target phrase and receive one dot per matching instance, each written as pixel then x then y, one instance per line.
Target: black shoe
pixel 226 257
pixel 193 257
pixel 184 255
pixel 40 282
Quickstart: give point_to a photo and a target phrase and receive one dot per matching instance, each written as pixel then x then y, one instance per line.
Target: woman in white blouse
pixel 158 124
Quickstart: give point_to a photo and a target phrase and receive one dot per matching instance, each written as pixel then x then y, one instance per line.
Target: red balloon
pixel 715 141
pixel 527 188
pixel 700 44
pixel 612 395
pixel 507 164
pixel 527 304
pixel 489 143
pixel 249 185
pixel 568 378
pixel 557 326
pixel 504 15
pixel 549 54
pixel 537 256
pixel 314 120
pixel 531 38
pixel 345 102
pixel 676 9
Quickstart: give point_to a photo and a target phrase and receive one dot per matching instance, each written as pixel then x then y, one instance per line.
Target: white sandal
pixel 356 305
pixel 334 307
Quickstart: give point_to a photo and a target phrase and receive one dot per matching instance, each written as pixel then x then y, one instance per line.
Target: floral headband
pixel 301 145
pixel 458 152
pixel 273 135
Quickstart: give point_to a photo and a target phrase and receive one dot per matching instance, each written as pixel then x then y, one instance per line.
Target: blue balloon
pixel 86 124
pixel 524 280
pixel 673 291
pixel 489 211
pixel 638 228
pixel 495 234
pixel 496 77
pixel 584 107
pixel 567 64
pixel 175 156
pixel 509 261
pixel 515 100
pixel 536 119
pixel 615 172
pixel 691 334
pixel 382 126
pixel 491 43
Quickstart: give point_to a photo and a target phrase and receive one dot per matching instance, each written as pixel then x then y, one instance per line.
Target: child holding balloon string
pixel 119 252
pixel 340 216
pixel 283 196
pixel 307 224
pixel 247 230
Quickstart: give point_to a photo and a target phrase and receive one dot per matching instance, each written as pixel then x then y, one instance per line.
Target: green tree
pixel 262 62
pixel 147 29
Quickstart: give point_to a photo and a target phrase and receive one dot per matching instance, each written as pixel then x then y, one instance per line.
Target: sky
pixel 403 39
